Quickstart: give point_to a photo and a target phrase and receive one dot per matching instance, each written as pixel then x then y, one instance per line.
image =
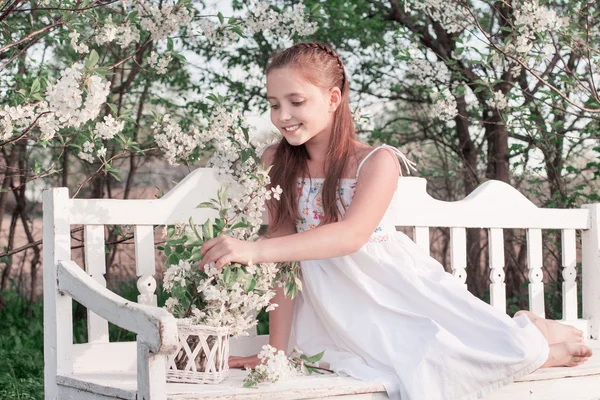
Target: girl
pixel 380 307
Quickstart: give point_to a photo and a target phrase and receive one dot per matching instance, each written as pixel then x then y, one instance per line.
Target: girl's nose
pixel 284 114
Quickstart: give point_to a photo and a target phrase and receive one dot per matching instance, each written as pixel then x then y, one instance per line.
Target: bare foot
pixel 567 354
pixel 554 331
pixel 244 362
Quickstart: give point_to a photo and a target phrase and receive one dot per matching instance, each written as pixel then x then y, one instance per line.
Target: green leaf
pixel 207 230
pixel 173 259
pixel 92 59
pixel 169 44
pixel 226 274
pixel 207 204
pixel 221 18
pixel 167 250
pixel 196 255
pixel 315 358
pixel 35 86
pixel 250 384
pixel 251 285
pixel 113 108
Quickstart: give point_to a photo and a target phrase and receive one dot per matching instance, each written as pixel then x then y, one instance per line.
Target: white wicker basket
pixel 201 356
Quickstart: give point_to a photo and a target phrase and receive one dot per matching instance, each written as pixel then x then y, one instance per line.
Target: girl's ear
pixel 335 98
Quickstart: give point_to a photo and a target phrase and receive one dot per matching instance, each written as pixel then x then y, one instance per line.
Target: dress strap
pixel 408 164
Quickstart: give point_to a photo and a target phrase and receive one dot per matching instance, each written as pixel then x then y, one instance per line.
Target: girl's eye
pixel 297 103
pixel 274 106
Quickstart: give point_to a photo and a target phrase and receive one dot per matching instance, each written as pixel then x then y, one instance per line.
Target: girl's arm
pixel 374 191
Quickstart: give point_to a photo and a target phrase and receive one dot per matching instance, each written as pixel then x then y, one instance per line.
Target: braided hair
pixel 323 67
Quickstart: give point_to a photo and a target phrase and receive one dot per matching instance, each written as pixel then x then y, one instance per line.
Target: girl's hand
pixel 244 362
pixel 224 249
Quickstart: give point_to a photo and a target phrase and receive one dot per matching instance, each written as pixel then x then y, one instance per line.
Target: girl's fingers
pixel 219 254
pixel 227 258
pixel 209 244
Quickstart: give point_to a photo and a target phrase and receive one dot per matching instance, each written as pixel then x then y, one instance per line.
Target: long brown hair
pixel 321 66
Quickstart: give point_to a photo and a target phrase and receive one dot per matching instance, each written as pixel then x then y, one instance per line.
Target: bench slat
pixel 458 254
pixel 145 264
pixel 497 287
pixel 569 273
pixel 534 264
pixel 95 266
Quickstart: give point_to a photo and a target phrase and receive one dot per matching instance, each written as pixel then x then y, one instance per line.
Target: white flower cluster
pixel 159 64
pixel 453 17
pixel 78 47
pixel 20 117
pixel 275 365
pixel 65 98
pixel 227 304
pixel 65 105
pixel 105 130
pixel 531 18
pixel 499 101
pixel 444 105
pixel 261 18
pixel 291 21
pixel 124 33
pixel 164 20
pixel 247 192
pixel 175 143
pixel 177 274
pixel 428 73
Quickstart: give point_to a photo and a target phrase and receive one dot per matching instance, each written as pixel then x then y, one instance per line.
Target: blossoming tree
pixel 91 90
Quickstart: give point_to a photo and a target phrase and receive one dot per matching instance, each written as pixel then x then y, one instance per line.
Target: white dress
pixel 389 312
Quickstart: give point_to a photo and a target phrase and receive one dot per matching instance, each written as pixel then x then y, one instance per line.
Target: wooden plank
pixel 569 274
pixel 73 388
pixel 534 264
pixel 104 357
pixel 590 261
pixel 58 318
pixel 458 254
pixel 579 388
pixel 493 204
pixel 151 378
pixel 154 326
pixel 421 235
pixel 497 286
pixel 145 264
pixel 95 266
pixel 176 206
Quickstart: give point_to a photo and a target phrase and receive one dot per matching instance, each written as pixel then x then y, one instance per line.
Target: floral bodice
pixel 310 206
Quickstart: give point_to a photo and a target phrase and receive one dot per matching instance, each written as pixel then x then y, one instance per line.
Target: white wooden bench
pixel 136 370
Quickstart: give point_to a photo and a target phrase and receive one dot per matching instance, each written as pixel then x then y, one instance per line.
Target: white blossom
pixel 162 21
pixel 78 47
pixel 160 64
pixel 108 128
pixel 499 101
pixel 124 33
pixel 444 105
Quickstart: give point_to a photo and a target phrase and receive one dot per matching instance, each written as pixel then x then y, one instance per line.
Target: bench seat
pixel 549 383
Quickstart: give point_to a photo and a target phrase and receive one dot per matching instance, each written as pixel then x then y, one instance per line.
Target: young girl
pixel 378 305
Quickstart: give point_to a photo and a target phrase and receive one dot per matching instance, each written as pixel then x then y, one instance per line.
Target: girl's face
pixel 299 109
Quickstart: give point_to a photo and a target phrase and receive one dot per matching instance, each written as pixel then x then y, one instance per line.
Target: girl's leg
pixel 554 331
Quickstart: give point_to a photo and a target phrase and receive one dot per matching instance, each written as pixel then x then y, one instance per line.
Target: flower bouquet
pixel 212 304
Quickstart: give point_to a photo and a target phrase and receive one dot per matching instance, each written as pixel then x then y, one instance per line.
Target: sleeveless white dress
pixel 390 313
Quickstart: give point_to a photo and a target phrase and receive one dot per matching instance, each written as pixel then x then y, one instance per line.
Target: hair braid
pixel 328 50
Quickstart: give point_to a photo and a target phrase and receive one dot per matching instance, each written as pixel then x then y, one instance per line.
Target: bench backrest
pixel 493 206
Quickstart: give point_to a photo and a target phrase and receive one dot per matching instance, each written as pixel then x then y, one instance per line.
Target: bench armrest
pixel 155 328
